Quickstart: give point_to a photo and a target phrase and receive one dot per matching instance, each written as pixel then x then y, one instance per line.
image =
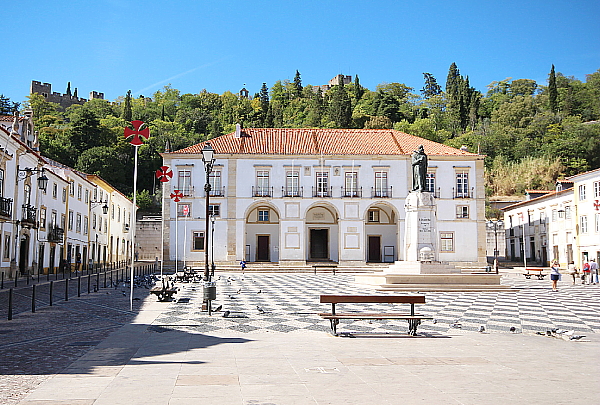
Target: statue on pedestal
pixel 419 168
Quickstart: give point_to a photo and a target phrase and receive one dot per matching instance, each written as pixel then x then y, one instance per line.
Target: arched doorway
pixel 381 230
pixel 322 233
pixel 262 234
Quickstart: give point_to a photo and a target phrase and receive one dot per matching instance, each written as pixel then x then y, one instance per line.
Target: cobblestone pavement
pixel 290 302
pixel 34 346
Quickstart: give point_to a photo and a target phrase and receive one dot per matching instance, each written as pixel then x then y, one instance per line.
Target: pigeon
pixel 481 328
pixel 226 314
pixel 239 291
pixel 231 297
pixel 576 337
pixel 136 299
pixel 569 332
pixel 513 329
pixel 540 333
pixel 123 293
pixel 456 325
pixel 259 291
pixel 435 321
pixel 260 310
pixel 548 333
pixel 217 309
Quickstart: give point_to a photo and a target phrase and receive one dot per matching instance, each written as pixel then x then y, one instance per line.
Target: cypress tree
pixel 264 105
pixel 127 112
pixel 340 109
pixel 297 89
pixel 358 89
pixel 431 88
pixel 552 91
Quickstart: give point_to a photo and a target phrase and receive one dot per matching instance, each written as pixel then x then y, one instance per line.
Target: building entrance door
pixel 262 248
pixel 319 244
pixel 24 254
pixel 374 249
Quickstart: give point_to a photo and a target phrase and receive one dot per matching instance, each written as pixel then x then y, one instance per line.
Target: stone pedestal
pixel 420 233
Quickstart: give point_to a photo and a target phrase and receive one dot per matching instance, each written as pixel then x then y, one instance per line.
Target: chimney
pixel 238 131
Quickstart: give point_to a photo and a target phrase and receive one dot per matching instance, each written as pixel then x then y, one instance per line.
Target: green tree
pixel 340 108
pixel 127 111
pixel 552 91
pixel 297 88
pixel 358 89
pixel 431 87
pixel 7 107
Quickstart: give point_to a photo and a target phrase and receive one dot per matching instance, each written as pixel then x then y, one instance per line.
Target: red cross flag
pixel 177 196
pixel 164 174
pixel 137 132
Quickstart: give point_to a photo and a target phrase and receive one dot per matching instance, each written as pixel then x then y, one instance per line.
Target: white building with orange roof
pixel 292 196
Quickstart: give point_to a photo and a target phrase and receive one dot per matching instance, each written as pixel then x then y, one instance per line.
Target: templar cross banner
pixel 136 132
pixel 164 174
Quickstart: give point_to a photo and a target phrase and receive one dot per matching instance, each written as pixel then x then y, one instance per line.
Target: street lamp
pixel 42 180
pixel 208 158
pixel 212 245
pixel 104 207
pixel 495 225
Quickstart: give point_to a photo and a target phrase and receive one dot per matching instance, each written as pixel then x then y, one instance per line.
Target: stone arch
pixel 381 232
pixel 261 232
pixel 322 232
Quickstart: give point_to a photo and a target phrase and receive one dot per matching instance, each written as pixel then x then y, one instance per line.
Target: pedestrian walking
pixel 585 277
pixel 555 275
pixel 573 271
pixel 593 271
pixel 243 264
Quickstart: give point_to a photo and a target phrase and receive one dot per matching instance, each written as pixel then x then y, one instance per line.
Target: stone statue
pixel 419 167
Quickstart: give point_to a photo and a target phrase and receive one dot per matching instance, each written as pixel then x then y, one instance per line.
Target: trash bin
pixel 488 269
pixel 210 291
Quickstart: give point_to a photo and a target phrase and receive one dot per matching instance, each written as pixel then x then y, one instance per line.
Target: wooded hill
pixel 531 132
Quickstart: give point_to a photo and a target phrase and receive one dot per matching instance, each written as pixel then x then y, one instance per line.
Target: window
pixel 95 194
pixel 582 192
pixel 184 210
pixel 214 209
pixel 263 215
pixel 100 225
pixel 262 183
pixel 322 184
pixel 185 182
pixel 79 189
pixel 381 184
pixel 64 195
pixel 6 247
pixel 85 225
pixel 292 183
pixel 70 220
pixel 53 222
pixel 430 182
pixel 568 212
pixel 447 241
pixel 72 188
pixel 554 215
pixel 123 246
pixel 462 184
pixel 215 183
pixel 78 223
pixel 462 211
pixel 373 215
pixel 118 213
pixel 112 211
pixel 1 182
pixel 198 241
pixel 27 189
pixel 87 196
pixel 94 219
pixel 583 224
pixel 597 226
pixel 529 217
pixel 597 189
pixel 351 184
pixel 42 218
pixel 62 221
pixel 54 191
pixel 105 226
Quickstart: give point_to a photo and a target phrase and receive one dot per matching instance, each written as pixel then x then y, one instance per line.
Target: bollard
pixel 33 298
pixel 38 276
pixel 104 279
pixel 2 287
pixel 79 286
pixel 51 290
pixel 27 277
pixel 98 281
pixel 48 275
pixel 16 278
pixel 89 282
pixel 10 303
pixel 66 289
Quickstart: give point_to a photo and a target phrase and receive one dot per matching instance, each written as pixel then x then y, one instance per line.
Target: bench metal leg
pixel 334 323
pixel 412 326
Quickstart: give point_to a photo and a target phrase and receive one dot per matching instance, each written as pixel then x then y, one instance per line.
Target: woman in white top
pixel 554 275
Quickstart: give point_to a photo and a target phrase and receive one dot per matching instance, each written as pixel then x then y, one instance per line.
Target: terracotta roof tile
pixel 307 141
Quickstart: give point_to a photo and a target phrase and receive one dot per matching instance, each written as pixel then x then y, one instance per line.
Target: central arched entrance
pixel 262 233
pixel 381 230
pixel 322 233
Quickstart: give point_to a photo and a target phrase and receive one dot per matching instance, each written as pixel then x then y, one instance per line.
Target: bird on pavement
pixel 481 328
pixel 260 310
pixel 259 291
pixel 239 291
pixel 513 329
pixel 217 309
pixel 456 325
pixel 226 314
pixel 576 337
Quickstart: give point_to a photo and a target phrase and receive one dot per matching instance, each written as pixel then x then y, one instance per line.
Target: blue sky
pixel 112 46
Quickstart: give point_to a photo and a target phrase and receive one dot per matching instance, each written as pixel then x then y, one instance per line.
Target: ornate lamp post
pixel 208 158
pixel 495 225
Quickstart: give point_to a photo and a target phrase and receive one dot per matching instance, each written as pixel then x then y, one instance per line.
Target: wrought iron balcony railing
pixel 29 214
pixel 56 234
pixel 348 192
pixel 381 192
pixel 6 207
pixel 321 191
pixel 262 191
pixel 462 193
pixel 292 191
pixel 217 192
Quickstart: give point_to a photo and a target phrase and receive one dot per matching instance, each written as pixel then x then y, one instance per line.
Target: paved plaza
pixel 273 349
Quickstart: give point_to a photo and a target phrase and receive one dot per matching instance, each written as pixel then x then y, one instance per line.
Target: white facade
pixel 563 225
pixel 342 207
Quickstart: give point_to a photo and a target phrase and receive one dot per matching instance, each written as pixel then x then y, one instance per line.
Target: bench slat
pixel 373 299
pixel 359 316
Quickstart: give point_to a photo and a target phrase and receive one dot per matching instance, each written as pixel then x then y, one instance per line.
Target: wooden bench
pixel 324 266
pixel 536 272
pixel 414 319
pixel 165 291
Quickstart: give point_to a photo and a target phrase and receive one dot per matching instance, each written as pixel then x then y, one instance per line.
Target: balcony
pixel 262 191
pixel 56 234
pixel 292 191
pixel 381 192
pixel 321 191
pixel 29 214
pixel 462 193
pixel 5 208
pixel 350 192
pixel 217 192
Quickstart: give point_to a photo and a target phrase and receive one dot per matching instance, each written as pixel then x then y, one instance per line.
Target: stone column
pixel 420 225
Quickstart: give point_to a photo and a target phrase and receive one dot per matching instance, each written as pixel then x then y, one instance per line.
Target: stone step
pixel 444 287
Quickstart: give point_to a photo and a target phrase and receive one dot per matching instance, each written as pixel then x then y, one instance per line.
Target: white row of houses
pixel 51 214
pixel 292 196
pixel 562 225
